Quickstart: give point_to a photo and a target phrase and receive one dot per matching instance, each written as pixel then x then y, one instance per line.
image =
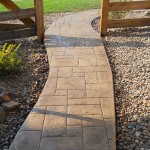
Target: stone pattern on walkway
pixel 76 108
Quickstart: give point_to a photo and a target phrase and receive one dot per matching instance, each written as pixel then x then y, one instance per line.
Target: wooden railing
pixel 107 7
pixel 28 28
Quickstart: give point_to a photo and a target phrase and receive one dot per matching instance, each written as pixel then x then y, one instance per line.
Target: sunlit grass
pixel 51 6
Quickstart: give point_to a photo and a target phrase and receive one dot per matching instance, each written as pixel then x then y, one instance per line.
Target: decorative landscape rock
pixel 11 105
pixel 12 95
pixel 2 115
pixel 1 90
pixel 3 95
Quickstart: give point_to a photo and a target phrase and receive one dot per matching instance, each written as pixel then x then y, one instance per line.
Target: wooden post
pixel 104 17
pixel 38 4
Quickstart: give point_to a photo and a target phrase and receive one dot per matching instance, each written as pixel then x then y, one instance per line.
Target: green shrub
pixel 118 14
pixel 10 62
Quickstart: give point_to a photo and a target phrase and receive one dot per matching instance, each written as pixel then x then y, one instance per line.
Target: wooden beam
pixel 15 34
pixel 104 17
pixel 129 23
pixel 17 14
pixel 127 6
pixel 8 27
pixel 39 19
pixel 12 6
pixel 9 4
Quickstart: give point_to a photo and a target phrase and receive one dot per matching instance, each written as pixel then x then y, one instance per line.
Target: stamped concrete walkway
pixel 76 108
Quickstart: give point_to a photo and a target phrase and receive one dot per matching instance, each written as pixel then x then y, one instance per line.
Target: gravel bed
pixel 128 50
pixel 26 85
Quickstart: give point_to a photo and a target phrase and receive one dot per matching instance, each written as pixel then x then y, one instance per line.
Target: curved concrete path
pixel 76 108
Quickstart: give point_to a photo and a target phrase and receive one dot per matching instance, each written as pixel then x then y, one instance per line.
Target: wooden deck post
pixel 104 17
pixel 38 4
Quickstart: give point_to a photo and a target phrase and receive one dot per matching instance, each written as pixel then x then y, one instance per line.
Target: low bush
pixel 10 62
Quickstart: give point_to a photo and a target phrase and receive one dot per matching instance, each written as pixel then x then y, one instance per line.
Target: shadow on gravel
pixel 127 44
pixel 134 32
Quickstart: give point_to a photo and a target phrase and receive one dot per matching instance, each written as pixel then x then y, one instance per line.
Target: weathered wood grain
pixel 17 14
pixel 15 34
pixel 127 6
pixel 129 23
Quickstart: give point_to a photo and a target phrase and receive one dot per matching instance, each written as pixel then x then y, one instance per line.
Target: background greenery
pixel 51 6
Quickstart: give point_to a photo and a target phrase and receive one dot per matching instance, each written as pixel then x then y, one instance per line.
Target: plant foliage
pixel 10 62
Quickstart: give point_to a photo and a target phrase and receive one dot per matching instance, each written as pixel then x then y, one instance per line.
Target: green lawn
pixel 51 6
